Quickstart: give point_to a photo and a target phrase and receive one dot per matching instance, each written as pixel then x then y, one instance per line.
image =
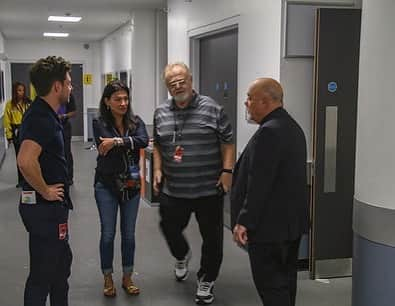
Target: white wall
pixel 2 67
pixel 259 41
pixel 144 64
pixel 297 77
pixel 261 33
pixel 139 46
pixel 29 51
pixel 1 43
pixel 117 50
pixel 375 163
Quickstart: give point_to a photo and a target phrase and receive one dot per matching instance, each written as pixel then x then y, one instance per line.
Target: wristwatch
pixel 227 171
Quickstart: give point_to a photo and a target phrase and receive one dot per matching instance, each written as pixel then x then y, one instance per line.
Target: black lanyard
pixel 177 133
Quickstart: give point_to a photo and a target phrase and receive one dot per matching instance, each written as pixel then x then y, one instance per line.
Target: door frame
pixel 336 267
pixel 198 33
pixel 195 36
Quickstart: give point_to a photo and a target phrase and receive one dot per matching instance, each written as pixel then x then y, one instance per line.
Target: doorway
pixel 20 72
pixel 336 65
pixel 218 79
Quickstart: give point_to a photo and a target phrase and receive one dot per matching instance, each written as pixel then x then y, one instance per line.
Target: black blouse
pixel 119 158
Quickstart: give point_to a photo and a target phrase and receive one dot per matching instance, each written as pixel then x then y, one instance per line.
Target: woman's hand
pixel 106 145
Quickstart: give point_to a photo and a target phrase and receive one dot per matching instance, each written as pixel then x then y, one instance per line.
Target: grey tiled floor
pixel 153 261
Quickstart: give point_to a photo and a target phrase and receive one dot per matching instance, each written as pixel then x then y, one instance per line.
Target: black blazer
pixel 269 191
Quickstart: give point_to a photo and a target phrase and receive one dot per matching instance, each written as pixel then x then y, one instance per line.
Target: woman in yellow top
pixel 13 114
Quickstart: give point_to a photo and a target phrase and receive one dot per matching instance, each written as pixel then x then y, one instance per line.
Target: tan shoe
pixel 129 287
pixel 109 288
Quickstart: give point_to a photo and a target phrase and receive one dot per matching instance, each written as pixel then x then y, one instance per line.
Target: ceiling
pixel 28 19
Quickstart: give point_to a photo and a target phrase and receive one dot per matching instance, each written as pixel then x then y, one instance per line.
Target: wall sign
pixel 332 87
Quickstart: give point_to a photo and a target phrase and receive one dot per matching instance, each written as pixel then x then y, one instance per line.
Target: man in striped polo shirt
pixel 193 162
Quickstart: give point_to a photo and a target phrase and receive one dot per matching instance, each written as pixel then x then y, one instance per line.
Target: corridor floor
pixel 153 264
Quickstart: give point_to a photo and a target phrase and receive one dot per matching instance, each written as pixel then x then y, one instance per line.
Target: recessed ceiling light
pixel 64 18
pixel 47 34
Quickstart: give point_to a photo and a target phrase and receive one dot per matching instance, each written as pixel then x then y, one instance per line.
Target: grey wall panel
pixel 373 273
pixel 374 223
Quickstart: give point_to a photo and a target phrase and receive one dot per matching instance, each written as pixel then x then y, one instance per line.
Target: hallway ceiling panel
pixel 27 19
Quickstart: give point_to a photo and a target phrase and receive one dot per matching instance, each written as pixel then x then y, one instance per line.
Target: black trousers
pixel 50 254
pixel 67 150
pixel 175 214
pixel 274 269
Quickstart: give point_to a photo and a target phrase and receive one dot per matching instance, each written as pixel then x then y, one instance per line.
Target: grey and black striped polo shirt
pixel 199 129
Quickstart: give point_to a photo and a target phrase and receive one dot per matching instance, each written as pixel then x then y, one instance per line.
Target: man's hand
pixel 54 193
pixel 240 234
pixel 106 145
pixel 157 181
pixel 225 180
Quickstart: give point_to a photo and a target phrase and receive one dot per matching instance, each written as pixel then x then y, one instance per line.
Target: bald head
pixel 270 88
pixel 264 96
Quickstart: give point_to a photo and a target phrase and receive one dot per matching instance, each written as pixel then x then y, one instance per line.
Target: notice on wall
pixel 87 79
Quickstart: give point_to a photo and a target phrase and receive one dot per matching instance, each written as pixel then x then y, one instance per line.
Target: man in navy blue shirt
pixel 45 200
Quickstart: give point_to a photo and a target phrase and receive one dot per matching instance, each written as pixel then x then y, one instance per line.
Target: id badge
pixel 28 197
pixel 62 231
pixel 178 154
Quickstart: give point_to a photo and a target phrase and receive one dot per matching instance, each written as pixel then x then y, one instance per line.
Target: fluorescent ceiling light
pixel 56 34
pixel 64 18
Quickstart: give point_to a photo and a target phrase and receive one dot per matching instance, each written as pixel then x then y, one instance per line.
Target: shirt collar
pixel 45 105
pixel 272 114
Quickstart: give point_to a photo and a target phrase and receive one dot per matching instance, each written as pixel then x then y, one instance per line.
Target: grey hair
pixel 170 66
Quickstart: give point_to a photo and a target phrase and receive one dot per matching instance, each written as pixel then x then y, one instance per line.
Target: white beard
pixel 181 97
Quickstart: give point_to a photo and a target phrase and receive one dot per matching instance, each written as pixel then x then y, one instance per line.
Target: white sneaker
pixel 204 293
pixel 181 268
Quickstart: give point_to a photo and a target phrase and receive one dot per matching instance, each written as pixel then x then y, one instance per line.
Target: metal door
pixel 218 78
pixel 77 122
pixel 334 135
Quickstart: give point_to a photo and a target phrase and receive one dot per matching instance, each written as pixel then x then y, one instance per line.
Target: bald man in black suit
pixel 269 206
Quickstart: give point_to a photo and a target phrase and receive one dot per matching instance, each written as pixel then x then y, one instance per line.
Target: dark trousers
pixel 175 214
pixel 50 254
pixel 274 269
pixel 67 150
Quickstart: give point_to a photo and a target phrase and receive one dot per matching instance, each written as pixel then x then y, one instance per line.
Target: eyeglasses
pixel 177 83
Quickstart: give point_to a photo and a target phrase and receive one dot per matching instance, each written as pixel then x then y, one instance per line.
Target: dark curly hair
pixel 129 119
pixel 46 71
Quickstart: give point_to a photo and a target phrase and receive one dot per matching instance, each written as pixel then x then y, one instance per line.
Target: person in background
pixel 45 201
pixel 119 136
pixel 13 114
pixel 66 112
pixel 193 161
pixel 269 205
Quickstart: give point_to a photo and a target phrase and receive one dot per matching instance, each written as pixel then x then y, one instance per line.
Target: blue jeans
pixel 107 205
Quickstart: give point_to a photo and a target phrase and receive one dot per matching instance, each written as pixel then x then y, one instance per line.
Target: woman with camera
pixel 119 136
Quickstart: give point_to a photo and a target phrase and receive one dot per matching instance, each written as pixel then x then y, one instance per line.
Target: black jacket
pixel 269 192
pixel 114 162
